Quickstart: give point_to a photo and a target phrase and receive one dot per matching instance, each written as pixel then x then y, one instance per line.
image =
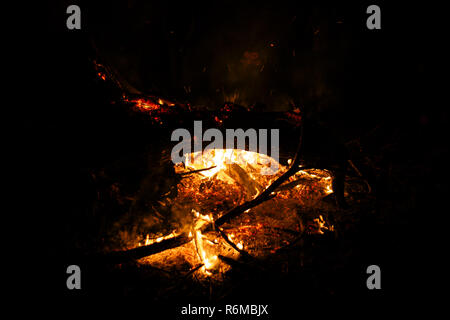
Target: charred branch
pixel 117 257
pixel 227 240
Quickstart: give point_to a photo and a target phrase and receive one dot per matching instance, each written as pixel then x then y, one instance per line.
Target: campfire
pixel 222 210
pixel 229 210
pixel 229 153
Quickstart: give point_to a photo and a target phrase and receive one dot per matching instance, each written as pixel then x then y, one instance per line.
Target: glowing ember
pixel 319 225
pixel 101 76
pixel 149 104
pixel 145 104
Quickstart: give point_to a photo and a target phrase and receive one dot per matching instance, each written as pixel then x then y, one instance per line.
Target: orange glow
pixel 145 104
pixel 102 76
pixel 149 104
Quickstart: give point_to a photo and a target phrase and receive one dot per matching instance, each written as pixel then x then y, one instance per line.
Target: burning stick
pixel 196 171
pixel 193 270
pixel 144 251
pixel 227 240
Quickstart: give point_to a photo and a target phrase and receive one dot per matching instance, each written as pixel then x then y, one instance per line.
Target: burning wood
pixel 144 251
pixel 217 185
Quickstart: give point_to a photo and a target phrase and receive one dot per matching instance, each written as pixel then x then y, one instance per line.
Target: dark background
pixel 346 78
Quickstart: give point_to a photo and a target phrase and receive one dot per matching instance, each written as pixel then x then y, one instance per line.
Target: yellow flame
pixel 219 158
pixel 209 261
pixel 328 189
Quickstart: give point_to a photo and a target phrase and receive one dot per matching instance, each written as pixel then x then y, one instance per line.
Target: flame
pixel 217 161
pixel 149 241
pixel 209 261
pixel 219 158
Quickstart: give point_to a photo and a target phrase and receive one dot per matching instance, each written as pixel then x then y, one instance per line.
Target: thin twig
pixel 225 237
pixel 195 171
pixel 193 270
